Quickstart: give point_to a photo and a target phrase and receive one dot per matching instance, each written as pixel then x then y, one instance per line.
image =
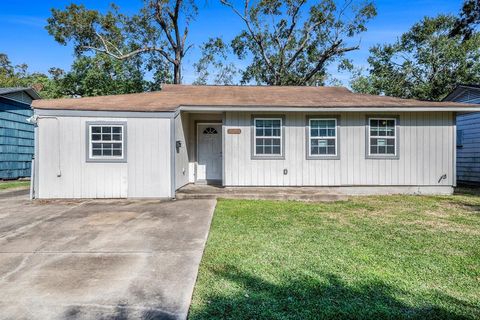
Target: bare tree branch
pixel 285 53
pixel 163 24
pixel 130 54
pixel 330 52
pixel 254 36
pixel 303 44
pixel 293 24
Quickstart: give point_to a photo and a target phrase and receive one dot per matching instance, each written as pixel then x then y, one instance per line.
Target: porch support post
pixel 172 156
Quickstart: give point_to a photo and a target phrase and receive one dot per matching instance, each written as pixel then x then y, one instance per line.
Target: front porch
pixel 199 148
pixel 313 194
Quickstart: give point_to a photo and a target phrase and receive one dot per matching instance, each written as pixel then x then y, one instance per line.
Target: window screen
pixel 106 142
pixel 382 140
pixel 268 136
pixel 323 137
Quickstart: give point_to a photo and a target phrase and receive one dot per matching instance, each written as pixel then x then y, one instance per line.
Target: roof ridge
pixel 250 86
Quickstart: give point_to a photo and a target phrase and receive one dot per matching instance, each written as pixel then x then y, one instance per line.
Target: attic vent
pixel 210 130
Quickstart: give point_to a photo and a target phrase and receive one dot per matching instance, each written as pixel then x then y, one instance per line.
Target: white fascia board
pixel 103 114
pixel 328 109
pixel 219 109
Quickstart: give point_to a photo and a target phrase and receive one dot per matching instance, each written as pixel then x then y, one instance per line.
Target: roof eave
pixel 33 94
pixel 460 89
pixel 30 91
pixel 329 109
pixel 259 108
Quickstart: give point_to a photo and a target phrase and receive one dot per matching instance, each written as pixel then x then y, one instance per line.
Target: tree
pixel 7 72
pixel 468 20
pixel 19 76
pixel 425 63
pixel 155 33
pixel 94 75
pixel 213 65
pixel 290 44
pixel 103 75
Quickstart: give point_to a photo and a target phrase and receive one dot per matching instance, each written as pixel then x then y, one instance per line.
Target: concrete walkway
pixel 112 259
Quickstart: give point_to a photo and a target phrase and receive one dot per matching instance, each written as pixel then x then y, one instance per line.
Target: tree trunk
pixel 177 73
pixel 177 65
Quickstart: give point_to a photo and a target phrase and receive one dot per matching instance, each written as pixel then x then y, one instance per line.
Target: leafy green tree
pixel 425 63
pixel 103 75
pixel 468 20
pixel 157 33
pixel 94 75
pixel 213 66
pixel 19 76
pixel 6 69
pixel 291 43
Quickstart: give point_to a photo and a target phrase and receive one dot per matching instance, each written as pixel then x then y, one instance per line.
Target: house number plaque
pixel 234 131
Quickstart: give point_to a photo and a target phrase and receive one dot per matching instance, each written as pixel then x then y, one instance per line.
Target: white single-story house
pixel 468 135
pixel 151 144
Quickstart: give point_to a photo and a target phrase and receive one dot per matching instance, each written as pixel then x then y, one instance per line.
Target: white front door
pixel 209 152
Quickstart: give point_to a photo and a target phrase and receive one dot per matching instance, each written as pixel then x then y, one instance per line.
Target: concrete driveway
pixel 110 259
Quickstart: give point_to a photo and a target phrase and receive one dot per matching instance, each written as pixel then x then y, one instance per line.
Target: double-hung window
pixel 267 137
pixel 382 137
pixel 106 142
pixel 322 138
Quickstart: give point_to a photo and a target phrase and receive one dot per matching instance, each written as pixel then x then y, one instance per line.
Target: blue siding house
pixel 468 135
pixel 16 134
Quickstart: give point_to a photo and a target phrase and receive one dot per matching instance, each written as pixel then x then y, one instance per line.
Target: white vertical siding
pixel 62 150
pixel 62 144
pixel 426 153
pixel 149 158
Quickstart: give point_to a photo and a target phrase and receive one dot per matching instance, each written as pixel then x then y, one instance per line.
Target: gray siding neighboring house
pixel 16 134
pixel 468 135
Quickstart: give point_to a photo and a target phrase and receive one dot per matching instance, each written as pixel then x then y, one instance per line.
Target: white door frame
pixel 197 125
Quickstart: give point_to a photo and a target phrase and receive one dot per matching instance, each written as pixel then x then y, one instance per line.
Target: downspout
pixel 33 168
pixel 37 164
pixel 32 176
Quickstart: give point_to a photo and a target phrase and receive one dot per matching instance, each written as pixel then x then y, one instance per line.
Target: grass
pixel 13 184
pixel 385 257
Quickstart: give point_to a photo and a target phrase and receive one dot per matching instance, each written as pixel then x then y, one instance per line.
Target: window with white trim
pixel 322 140
pixel 106 142
pixel 382 140
pixel 268 137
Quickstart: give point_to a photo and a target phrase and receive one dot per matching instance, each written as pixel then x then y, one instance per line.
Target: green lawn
pixel 385 257
pixel 13 184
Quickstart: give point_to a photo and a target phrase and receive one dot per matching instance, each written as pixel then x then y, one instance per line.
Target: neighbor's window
pixel 268 137
pixel 382 137
pixel 106 142
pixel 322 137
